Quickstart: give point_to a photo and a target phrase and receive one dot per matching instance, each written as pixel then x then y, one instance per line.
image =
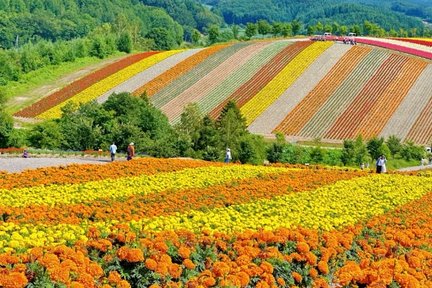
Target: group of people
pixel 381 164
pixel 130 151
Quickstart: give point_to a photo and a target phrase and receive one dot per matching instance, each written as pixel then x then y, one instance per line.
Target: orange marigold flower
pixel 266 267
pixel 155 286
pixel 135 255
pixel 151 264
pixel 122 253
pixel 188 264
pixel 281 281
pixel 184 252
pixel 114 277
pixel 161 246
pixel 303 247
pixel 59 274
pixel 262 284
pixel 162 268
pixel 244 278
pixel 243 260
pixel 13 280
pixel 95 270
pixel 175 270
pixel 323 267
pixel 209 281
pixel 220 269
pixel 123 284
pixel 297 277
pixel 313 273
pixel 76 284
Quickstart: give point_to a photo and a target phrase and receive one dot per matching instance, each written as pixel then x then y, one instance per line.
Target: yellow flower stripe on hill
pixel 330 207
pixel 124 187
pixel 261 101
pixel 108 83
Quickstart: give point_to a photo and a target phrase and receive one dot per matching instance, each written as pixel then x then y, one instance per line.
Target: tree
pixel 235 30
pixel 231 125
pixel 394 144
pixel 286 30
pixel 6 123
pixel 196 36
pixel 189 126
pixel 374 147
pixel 276 149
pixel 296 26
pixel 361 152
pixel 163 40
pixel 348 152
pixel 251 30
pixel 46 135
pixel 264 27
pixel 209 144
pixel 124 42
pixel 213 34
pixel 410 151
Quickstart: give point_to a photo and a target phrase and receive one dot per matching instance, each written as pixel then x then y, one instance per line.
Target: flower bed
pixel 218 226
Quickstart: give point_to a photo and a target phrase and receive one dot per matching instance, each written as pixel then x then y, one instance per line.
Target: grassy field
pixel 34 85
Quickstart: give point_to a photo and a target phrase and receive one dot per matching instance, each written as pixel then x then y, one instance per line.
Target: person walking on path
pixel 384 161
pixel 113 151
pixel 380 164
pixel 130 151
pixel 228 155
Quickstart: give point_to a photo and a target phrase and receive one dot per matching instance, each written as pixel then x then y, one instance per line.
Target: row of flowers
pixel 128 186
pixel 73 174
pixel 106 84
pixel 259 103
pixel 79 85
pixel 155 85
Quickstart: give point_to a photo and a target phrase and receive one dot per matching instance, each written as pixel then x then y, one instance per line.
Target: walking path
pixel 13 165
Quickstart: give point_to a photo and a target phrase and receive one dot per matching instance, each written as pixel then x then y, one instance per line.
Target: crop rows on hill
pixel 145 76
pixel 409 110
pixel 185 81
pixel 421 131
pixel 396 47
pixel 344 94
pixel 108 83
pixel 349 121
pixel 158 83
pixel 206 84
pixel 240 76
pixel 301 114
pixel 424 42
pixel 390 99
pixel 78 86
pixel 264 98
pixel 275 113
pixel 249 89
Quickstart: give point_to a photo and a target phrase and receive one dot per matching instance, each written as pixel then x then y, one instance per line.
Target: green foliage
pixel 124 43
pixel 251 30
pixel 394 144
pixel 374 147
pixel 46 135
pixel 252 149
pixel 410 151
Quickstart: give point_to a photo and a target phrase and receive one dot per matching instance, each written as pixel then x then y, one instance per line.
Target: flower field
pixel 377 88
pixel 187 223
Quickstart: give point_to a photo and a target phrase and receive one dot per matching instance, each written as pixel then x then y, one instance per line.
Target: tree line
pixel 124 118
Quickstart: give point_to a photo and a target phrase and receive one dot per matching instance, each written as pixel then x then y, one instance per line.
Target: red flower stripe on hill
pixel 415 41
pixel 421 131
pixel 171 202
pixel 391 98
pixel 349 121
pixel 424 54
pixel 155 85
pixel 249 89
pixel 300 115
pixel 73 174
pixel 77 86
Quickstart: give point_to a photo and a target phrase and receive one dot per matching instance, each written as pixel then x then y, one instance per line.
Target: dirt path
pixel 15 164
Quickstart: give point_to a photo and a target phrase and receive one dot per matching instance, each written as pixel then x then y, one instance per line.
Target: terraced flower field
pixel 304 89
pixel 189 223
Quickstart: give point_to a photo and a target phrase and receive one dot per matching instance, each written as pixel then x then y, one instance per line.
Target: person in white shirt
pixel 228 155
pixel 113 151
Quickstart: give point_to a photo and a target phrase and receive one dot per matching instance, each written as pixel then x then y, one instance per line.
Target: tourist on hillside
pixel 380 164
pixel 130 151
pixel 228 155
pixel 113 151
pixel 25 154
pixel 384 168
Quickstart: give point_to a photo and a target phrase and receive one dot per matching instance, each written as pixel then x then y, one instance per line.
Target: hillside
pixel 388 14
pixel 304 89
